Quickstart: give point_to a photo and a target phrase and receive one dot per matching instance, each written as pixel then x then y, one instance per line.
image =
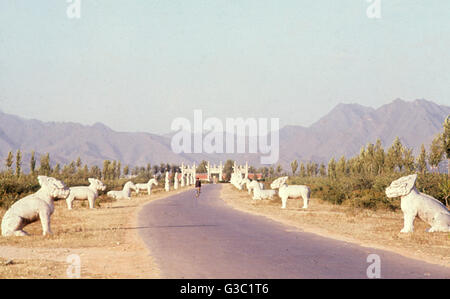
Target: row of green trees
pixel 373 159
pixel 15 183
pixel 361 180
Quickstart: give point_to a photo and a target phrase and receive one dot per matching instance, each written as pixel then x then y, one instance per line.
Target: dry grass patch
pixel 378 229
pixel 26 268
pixel 106 239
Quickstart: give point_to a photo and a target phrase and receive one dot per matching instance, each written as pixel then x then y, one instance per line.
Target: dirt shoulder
pixel 106 239
pixel 380 229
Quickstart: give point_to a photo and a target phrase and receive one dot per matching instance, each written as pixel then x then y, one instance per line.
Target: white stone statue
pixel 249 184
pixel 293 191
pixel 182 180
pixel 236 180
pixel 37 206
pixel 259 193
pixel 89 193
pixel 188 179
pixel 175 181
pixel 125 193
pixel 148 186
pixel 414 203
pixel 167 182
pixel 246 182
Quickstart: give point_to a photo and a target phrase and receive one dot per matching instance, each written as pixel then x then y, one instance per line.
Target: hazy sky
pixel 136 65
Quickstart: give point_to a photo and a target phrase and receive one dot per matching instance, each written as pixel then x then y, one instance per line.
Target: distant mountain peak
pixel 100 125
pixel 343 131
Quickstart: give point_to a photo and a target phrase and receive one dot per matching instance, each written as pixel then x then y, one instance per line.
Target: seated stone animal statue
pixel 255 184
pixel 293 191
pixel 259 194
pixel 246 182
pixel 147 187
pixel 36 206
pixel 89 193
pixel 414 203
pixel 125 193
pixel 250 185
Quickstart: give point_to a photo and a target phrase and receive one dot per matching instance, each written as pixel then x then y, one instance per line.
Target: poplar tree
pixel 294 166
pixel 436 152
pixel 18 162
pixel 302 170
pixel 422 160
pixel 394 156
pixel 57 169
pixel 341 167
pixel 408 160
pixel 32 163
pixel 379 157
pixel 9 161
pixel 105 170
pixel 446 140
pixel 332 168
pixel 322 170
pixel 45 168
pixel 126 170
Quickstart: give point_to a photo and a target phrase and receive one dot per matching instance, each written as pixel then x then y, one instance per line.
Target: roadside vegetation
pixel 360 181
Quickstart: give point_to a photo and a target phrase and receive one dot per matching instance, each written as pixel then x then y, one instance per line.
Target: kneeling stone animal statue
pixel 125 193
pixel 293 191
pixel 36 206
pixel 414 203
pixel 259 193
pixel 89 193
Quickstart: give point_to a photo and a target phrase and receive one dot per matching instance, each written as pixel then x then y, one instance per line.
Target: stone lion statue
pixel 36 206
pixel 414 203
pixel 89 193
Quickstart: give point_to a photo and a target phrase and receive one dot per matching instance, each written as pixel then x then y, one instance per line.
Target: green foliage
pixel 14 187
pixel 228 169
pixel 33 162
pixel 446 137
pixel 18 163
pixel 294 166
pixel 202 167
pixel 9 161
pixel 436 152
pixel 422 160
pixel 361 181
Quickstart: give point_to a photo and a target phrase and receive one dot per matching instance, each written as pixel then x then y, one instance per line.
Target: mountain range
pixel 343 131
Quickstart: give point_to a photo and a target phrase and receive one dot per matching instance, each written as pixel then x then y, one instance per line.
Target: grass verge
pixel 106 239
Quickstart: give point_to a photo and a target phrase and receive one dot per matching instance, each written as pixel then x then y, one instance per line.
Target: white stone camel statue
pixel 414 203
pixel 125 193
pixel 293 191
pixel 89 193
pixel 36 206
pixel 148 186
pixel 259 193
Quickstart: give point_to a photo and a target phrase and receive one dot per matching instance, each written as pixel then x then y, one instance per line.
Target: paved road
pixel 209 239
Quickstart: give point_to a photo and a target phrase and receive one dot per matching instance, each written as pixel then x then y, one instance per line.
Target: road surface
pixel 209 239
